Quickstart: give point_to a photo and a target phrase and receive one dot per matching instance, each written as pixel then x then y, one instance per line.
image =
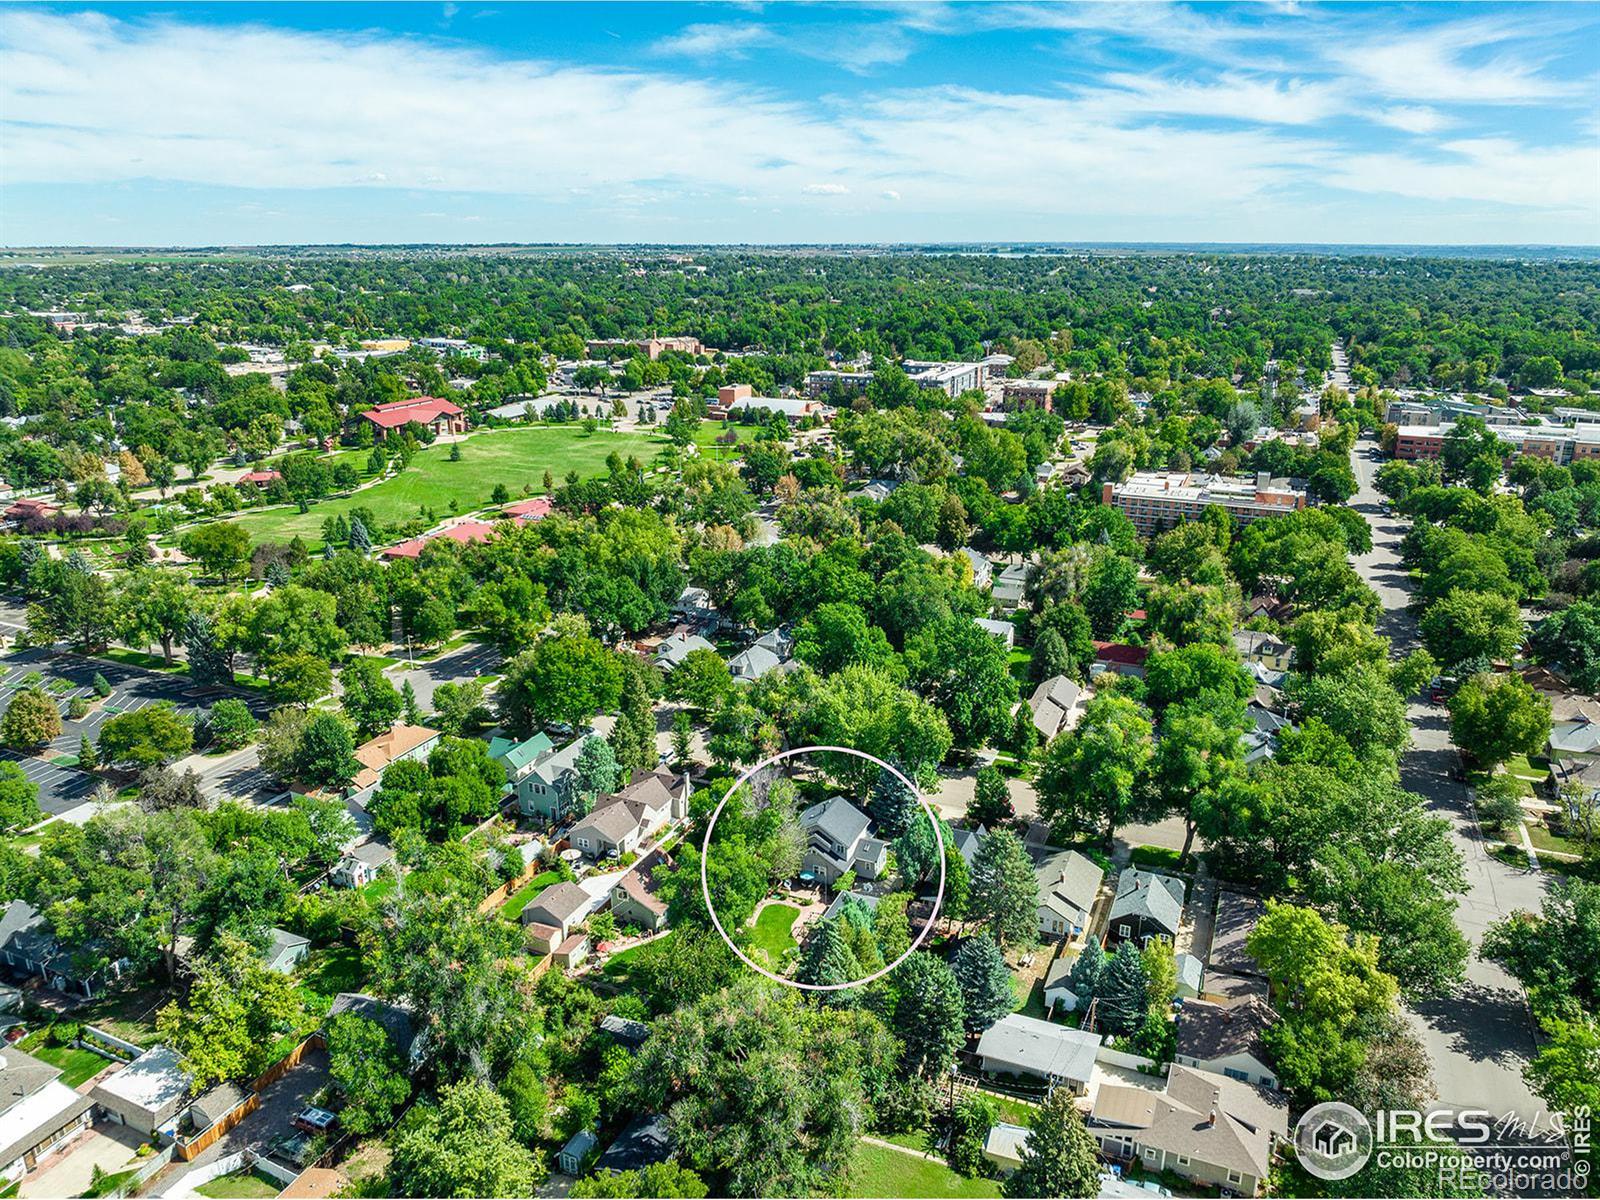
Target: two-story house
pixel 548 789
pixel 633 897
pixel 518 759
pixel 626 820
pixel 838 839
pixel 1267 651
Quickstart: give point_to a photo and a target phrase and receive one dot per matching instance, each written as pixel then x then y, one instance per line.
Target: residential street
pixel 1480 1037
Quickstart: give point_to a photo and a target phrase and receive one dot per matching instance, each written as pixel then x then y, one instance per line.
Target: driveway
pixel 107 1146
pixel 1482 1036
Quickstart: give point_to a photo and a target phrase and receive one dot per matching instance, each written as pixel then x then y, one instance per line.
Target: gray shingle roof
pixel 560 902
pixel 1146 894
pixel 1237 915
pixel 838 819
pixel 1028 1044
pixel 1211 1031
pixel 1178 1119
pixel 1068 884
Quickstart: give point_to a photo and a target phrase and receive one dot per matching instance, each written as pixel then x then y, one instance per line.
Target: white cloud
pixel 713 40
pixel 91 99
pixel 1445 63
pixel 858 48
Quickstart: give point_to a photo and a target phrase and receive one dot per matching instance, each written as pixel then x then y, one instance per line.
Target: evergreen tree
pixel 1050 656
pixel 276 574
pixel 828 959
pixel 891 804
pixel 210 662
pixel 1059 1158
pixel 633 739
pixel 88 760
pixel 360 538
pixel 408 697
pixel 1122 991
pixel 991 800
pixel 682 738
pixel 1088 973
pixel 986 992
pixel 928 1014
pixel 1005 890
pixel 596 768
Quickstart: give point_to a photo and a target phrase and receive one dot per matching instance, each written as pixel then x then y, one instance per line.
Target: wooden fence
pixel 188 1149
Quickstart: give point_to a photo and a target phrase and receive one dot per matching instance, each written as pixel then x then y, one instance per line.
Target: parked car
pixel 314 1120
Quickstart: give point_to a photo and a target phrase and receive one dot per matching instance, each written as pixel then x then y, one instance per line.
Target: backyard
pixel 241 1185
pixel 527 893
pixel 771 934
pixel 76 1065
pixel 880 1171
pixel 516 458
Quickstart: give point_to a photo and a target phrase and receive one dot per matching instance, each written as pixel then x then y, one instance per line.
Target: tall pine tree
pixel 1059 1158
pixel 986 991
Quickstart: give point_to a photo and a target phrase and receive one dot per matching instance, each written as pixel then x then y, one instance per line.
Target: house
pixel 1265 649
pixel 633 897
pixel 1068 885
pixel 1210 1129
pixel 1058 1054
pixel 1004 630
pixel 378 755
pixel 694 605
pixel 548 787
pixel 574 1156
pixel 28 944
pixel 646 1140
pixel 674 649
pixel 562 906
pixel 260 479
pixel 518 759
pixel 1003 1144
pixel 284 951
pixel 1058 991
pixel 876 490
pixel 148 1094
pixel 409 1042
pixel 1058 704
pixel 525 512
pixel 1191 976
pixel 1119 658
pixel 462 533
pixel 1261 740
pixel 1009 586
pixel 572 952
pixel 982 568
pixel 1226 1039
pixel 628 819
pixel 838 841
pixel 1147 906
pixel 439 416
pixel 1574 730
pixel 753 662
pixel 361 864
pixel 38 1113
pixel 28 509
pixel 1237 914
pixel 967 842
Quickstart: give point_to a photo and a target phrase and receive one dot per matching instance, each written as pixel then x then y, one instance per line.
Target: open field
pixel 517 458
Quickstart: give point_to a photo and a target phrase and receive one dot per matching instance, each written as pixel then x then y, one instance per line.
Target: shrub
pixel 102 686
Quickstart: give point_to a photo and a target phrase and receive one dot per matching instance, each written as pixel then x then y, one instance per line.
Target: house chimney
pixel 1211 1119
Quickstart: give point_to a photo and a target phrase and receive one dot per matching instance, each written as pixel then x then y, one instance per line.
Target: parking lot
pixel 65 676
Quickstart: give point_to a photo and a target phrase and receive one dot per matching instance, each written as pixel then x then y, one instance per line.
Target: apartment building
pixel 1560 444
pixel 653 347
pixel 951 378
pixel 823 383
pixel 1157 500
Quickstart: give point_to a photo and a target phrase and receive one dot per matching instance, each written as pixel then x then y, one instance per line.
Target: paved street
pixel 459 666
pixel 1480 1037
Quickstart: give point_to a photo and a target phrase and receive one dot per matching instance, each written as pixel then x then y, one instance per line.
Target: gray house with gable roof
pixel 838 839
pixel 1147 906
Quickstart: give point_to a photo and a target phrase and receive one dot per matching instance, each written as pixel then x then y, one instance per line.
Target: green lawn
pixel 517 458
pixel 616 968
pixel 706 438
pixel 882 1172
pixel 520 899
pixel 380 888
pixel 242 1185
pixel 771 933
pixel 333 970
pixel 76 1065
pixel 1160 857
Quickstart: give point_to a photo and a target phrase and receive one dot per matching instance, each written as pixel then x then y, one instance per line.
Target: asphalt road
pixel 459 666
pixel 1481 1036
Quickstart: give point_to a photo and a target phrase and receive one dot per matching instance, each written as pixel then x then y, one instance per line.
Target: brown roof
pixel 376 755
pixel 1237 914
pixel 1208 1032
pixel 1220 1121
pixel 640 883
pixel 314 1183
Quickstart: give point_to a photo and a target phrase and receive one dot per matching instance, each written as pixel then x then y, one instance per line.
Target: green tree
pixel 663 1180
pixel 991 805
pixel 235 1012
pixel 928 1015
pixel 1123 991
pixel 364 1064
pixel 30 720
pixel 701 680
pixel 564 679
pixel 1472 626
pixel 985 978
pixel 1060 1157
pixel 19 796
pixel 232 724
pixel 324 754
pixel 1493 717
pixel 1005 890
pixel 368 698
pixel 965 672
pixel 157 733
pixel 463 1146
pixel 221 548
pixel 1093 775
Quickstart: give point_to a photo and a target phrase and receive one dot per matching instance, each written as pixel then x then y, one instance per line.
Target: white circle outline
pixel 705 886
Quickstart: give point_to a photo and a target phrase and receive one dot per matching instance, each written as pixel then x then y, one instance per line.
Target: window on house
pixel 1235 1177
pixel 1124 930
pixel 1183 1160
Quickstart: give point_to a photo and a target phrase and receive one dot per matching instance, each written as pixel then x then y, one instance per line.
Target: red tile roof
pixel 260 477
pixel 464 533
pixel 401 412
pixel 536 509
pixel 1119 652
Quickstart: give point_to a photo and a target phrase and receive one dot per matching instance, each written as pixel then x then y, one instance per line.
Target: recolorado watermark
pixel 1501 1153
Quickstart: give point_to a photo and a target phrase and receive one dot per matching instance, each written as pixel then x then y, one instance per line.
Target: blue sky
pixel 461 122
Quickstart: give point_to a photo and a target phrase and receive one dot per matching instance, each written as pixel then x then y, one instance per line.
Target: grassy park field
pixel 517 458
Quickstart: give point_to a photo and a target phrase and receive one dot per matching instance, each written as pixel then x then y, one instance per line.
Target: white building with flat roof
pixel 1157 500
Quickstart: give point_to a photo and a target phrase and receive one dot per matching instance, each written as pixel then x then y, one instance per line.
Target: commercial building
pixel 441 416
pixel 951 378
pixel 456 346
pixel 827 383
pixel 1158 500
pixel 1560 444
pixel 1028 393
pixel 652 347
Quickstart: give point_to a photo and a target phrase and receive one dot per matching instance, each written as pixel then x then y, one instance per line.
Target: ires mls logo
pixel 1333 1141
